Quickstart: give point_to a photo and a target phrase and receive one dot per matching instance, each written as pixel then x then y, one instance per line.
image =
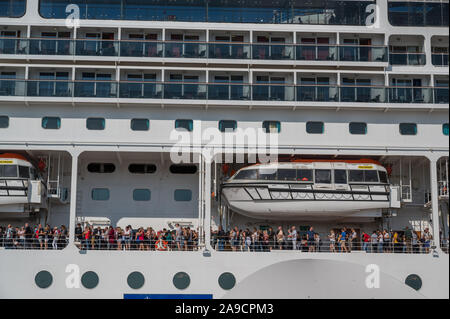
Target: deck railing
pixel 193 49
pixel 222 91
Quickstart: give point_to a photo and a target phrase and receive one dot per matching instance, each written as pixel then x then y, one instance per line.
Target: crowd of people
pixel 186 239
pixel 110 238
pixel 345 240
pixel 34 237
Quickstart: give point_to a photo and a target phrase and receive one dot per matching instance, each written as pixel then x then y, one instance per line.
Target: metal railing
pixel 222 91
pixel 192 49
pixel 440 59
pixel 133 244
pixel 43 243
pixel 303 245
pixel 13 188
pixel 407 58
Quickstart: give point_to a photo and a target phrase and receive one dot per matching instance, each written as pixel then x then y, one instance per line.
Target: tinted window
pixel 409 13
pixel 227 126
pixel 24 172
pixel 101 168
pixel 267 174
pixel 305 175
pixel 100 194
pixel 287 174
pixel 340 176
pixel 141 195
pixel 383 177
pixel 356 176
pixel 184 125
pixel 142 168
pixel 371 176
pixel 9 170
pixel 140 124
pixel 12 8
pixel 97 124
pixel 271 126
pixel 248 174
pixel 183 195
pixel 408 128
pixel 4 122
pixel 51 123
pixel 315 127
pixel 358 128
pixel 183 169
pixel 323 176
pixel 445 129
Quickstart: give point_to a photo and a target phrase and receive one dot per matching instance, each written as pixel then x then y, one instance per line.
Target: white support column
pixel 207 203
pixel 435 202
pixel 73 198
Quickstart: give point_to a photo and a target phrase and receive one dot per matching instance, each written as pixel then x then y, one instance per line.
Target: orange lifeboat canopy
pixel 15 156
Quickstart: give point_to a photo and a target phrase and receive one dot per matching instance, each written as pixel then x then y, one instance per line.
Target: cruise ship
pixel 224 149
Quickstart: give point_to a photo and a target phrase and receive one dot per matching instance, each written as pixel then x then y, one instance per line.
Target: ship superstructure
pixel 97 98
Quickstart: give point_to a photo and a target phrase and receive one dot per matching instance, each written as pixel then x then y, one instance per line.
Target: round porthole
pixel 227 281
pixel 89 280
pixel 136 280
pixel 181 280
pixel 43 279
pixel 414 281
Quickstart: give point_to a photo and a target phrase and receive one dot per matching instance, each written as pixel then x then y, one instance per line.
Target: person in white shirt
pixel 374 241
pixel 294 237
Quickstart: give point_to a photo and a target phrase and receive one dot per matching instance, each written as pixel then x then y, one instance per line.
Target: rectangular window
pixel 95 123
pixel 358 128
pixel 383 177
pixel 408 129
pixel 271 127
pixel 184 125
pixel 8 171
pixel 24 172
pixel 183 195
pixel 227 126
pixel 371 176
pixel 445 129
pixel 287 174
pixel 267 174
pixel 323 176
pixel 4 121
pixel 305 175
pixel 315 127
pixel 100 194
pixel 140 124
pixel 356 176
pixel 12 8
pixel 340 176
pixel 51 123
pixel 141 195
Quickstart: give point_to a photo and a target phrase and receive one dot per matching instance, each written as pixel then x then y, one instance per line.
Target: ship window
pixel 356 176
pixel 141 195
pixel 95 123
pixel 183 169
pixel 183 195
pixel 445 129
pixel 287 174
pixel 248 174
pixel 101 168
pixel 184 125
pixel 370 176
pixel 12 8
pixel 267 174
pixel 4 121
pixel 51 123
pixel 408 128
pixel 271 126
pixel 142 168
pixel 24 172
pixel 8 170
pixel 414 13
pixel 140 124
pixel 305 175
pixel 315 127
pixel 323 176
pixel 383 177
pixel 101 194
pixel 227 126
pixel 340 176
pixel 358 128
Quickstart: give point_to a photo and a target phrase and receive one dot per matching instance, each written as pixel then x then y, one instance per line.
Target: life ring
pixel 161 245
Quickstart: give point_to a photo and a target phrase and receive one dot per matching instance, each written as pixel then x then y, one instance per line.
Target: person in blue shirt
pixel 310 239
pixel 342 239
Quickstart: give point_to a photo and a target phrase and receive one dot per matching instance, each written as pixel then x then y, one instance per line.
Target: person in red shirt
pixel 365 239
pixel 111 238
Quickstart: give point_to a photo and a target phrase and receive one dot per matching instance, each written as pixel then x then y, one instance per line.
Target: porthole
pixel 414 281
pixel 43 279
pixel 181 280
pixel 89 280
pixel 227 281
pixel 136 280
pixel 183 169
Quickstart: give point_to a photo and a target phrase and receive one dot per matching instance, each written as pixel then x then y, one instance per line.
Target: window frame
pixel 96 118
pixel 182 129
pixel 148 191
pixel 315 122
pixel 134 120
pixel 358 132
pixel 7 121
pixel 100 189
pixel 58 122
pixel 404 134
